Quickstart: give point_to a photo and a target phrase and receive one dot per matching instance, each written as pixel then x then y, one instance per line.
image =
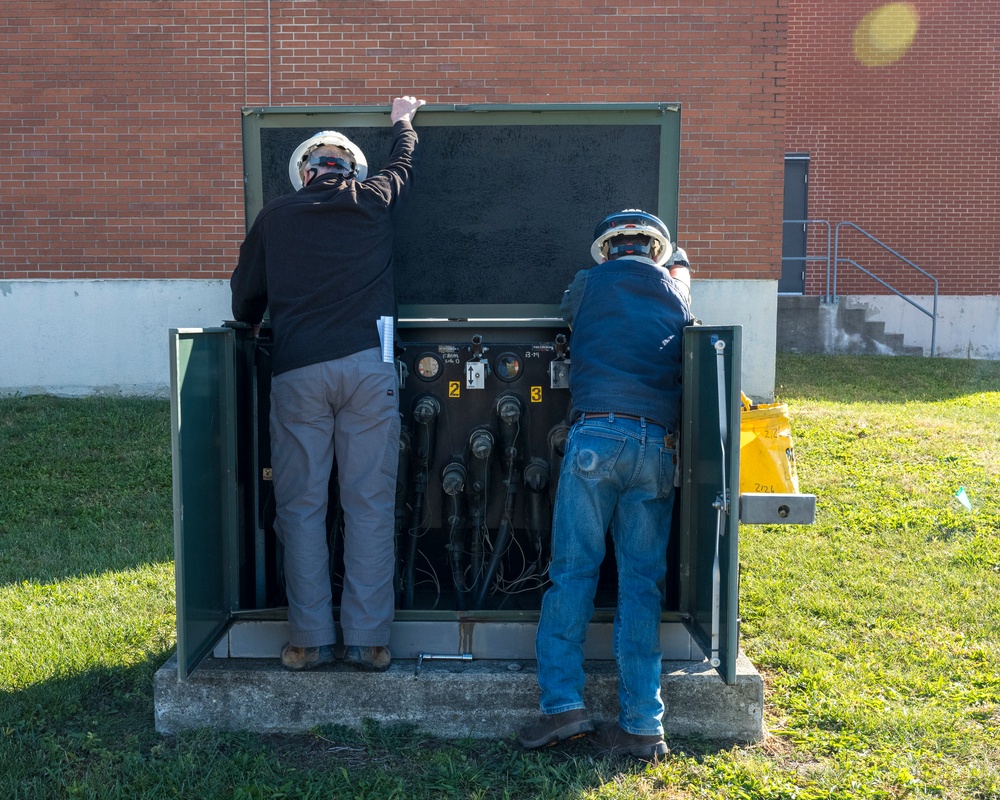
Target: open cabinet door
pixel 709 495
pixel 202 429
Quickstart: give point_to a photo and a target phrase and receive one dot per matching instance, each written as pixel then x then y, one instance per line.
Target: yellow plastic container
pixel 767 455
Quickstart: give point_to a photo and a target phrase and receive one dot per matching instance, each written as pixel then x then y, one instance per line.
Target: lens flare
pixel 885 34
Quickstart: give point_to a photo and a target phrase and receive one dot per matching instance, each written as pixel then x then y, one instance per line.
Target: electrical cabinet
pixel 497 222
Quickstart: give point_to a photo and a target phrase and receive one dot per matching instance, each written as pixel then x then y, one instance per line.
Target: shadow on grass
pixel 92 734
pixel 55 734
pixel 113 703
pixel 87 487
pixel 32 565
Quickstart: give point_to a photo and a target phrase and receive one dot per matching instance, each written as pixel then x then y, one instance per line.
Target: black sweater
pixel 321 260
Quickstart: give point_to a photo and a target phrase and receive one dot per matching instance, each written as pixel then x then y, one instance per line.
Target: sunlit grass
pixel 113 619
pixel 876 629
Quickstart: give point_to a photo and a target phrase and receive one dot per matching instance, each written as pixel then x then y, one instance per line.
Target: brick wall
pixel 904 141
pixel 120 142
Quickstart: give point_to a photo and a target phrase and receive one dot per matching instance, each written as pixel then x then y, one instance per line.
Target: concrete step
pixel 808 325
pixel 476 699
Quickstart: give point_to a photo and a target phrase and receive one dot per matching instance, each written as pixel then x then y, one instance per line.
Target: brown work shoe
pixel 612 740
pixel 299 658
pixel 551 728
pixel 369 659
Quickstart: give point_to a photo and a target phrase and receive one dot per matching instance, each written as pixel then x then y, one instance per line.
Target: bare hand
pixel 405 108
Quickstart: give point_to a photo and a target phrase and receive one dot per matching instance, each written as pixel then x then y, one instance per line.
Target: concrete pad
pixel 478 699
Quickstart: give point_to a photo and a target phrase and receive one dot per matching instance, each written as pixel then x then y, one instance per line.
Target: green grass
pixel 877 629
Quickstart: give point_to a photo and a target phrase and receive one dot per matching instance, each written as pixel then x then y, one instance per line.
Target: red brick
pixel 171 77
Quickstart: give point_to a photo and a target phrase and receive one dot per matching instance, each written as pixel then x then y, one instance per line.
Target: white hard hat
pixel 328 139
pixel 632 222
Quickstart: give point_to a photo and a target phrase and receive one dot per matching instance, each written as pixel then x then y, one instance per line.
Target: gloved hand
pixel 679 258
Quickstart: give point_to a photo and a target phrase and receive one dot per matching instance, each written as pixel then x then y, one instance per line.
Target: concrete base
pixel 478 699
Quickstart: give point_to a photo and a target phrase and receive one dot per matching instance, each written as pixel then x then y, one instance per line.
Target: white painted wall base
pixel 754 305
pixel 84 337
pixel 967 327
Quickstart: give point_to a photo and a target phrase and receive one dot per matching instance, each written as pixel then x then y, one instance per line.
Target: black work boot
pixel 552 728
pixel 613 740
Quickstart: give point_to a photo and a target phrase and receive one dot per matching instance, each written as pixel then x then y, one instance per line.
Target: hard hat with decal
pixel 629 223
pixel 300 157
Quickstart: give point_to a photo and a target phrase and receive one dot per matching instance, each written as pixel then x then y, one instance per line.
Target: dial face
pixel 428 366
pixel 507 367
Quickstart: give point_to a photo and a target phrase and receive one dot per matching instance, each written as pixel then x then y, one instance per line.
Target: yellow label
pixel 454 388
pixel 536 394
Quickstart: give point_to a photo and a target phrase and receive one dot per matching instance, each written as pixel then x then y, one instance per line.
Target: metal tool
pixel 440 657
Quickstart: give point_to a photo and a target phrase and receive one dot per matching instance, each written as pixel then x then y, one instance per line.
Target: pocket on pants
pixel 665 486
pixel 595 453
pixel 378 383
pixel 294 399
pixel 390 462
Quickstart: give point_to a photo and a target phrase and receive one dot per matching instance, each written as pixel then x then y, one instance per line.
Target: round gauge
pixel 428 366
pixel 507 367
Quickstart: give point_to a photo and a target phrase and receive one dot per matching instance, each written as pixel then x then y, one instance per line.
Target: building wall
pixel 898 106
pixel 121 155
pixel 120 141
pixel 120 148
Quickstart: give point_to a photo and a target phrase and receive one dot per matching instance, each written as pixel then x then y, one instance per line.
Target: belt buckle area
pixel 611 416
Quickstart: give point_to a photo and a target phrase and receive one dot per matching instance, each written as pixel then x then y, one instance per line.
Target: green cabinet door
pixel 203 446
pixel 709 493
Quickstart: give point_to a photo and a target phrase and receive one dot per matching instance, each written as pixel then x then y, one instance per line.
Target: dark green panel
pixel 709 516
pixel 203 443
pixel 503 208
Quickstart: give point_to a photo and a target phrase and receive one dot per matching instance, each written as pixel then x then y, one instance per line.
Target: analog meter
pixel 507 367
pixel 428 366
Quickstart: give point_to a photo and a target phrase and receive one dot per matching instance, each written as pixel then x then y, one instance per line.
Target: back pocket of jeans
pixel 595 454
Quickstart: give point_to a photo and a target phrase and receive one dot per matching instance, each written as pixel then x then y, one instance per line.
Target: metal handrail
pixel 825 258
pixel 837 260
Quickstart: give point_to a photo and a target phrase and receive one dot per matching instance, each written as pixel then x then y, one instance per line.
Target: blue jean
pixel 617 475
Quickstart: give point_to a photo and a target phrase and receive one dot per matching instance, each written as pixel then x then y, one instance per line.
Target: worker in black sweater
pixel 320 260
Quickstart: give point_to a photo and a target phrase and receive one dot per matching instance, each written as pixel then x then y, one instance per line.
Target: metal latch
pixel 777 509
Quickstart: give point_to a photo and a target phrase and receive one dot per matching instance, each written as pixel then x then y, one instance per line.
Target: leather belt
pixel 612 414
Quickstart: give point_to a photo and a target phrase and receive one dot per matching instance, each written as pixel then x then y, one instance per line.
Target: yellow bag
pixel 767 457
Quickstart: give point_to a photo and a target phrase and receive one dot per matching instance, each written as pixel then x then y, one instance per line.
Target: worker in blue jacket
pixel 627 316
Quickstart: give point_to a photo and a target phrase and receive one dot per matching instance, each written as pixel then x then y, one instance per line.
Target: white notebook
pixel 386 334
